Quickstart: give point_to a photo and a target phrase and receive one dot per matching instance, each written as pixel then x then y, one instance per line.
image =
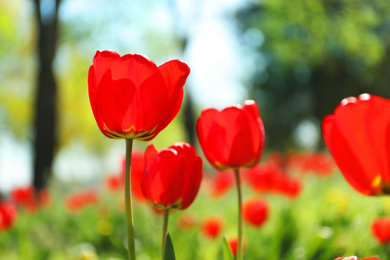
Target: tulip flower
pixel 355 258
pixel 233 245
pixel 255 211
pixel 212 227
pixel 133 98
pixel 221 183
pixel 7 215
pixel 357 135
pixel 380 228
pixel 171 179
pixel 232 138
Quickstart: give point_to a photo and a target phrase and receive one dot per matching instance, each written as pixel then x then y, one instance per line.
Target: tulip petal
pixel 92 98
pixel 162 182
pixel 345 157
pixel 203 129
pixel 175 73
pixel 150 102
pixel 114 98
pixel 102 61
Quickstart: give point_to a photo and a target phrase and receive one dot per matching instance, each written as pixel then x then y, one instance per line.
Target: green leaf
pixel 169 252
pixel 227 253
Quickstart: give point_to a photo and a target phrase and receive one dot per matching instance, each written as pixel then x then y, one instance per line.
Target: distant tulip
pixel 233 137
pixel 358 137
pixel 185 221
pixel 7 215
pixel 131 97
pixel 255 211
pixel 233 245
pixel 212 227
pixel 355 258
pixel 172 176
pixel 380 228
pixel 221 183
pixel 80 199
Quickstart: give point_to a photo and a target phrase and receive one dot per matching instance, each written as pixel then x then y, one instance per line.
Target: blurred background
pixel 296 59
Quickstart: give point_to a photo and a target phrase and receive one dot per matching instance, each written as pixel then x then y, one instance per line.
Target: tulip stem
pixel 165 230
pixel 240 246
pixel 129 208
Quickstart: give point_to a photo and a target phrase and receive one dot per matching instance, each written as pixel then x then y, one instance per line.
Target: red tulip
pixel 355 258
pixel 7 215
pixel 381 229
pixel 255 211
pixel 114 182
pixel 131 97
pixel 172 176
pixel 357 135
pixel 80 199
pixel 212 227
pixel 185 221
pixel 221 183
pixel 233 137
pixel 25 197
pixel 233 245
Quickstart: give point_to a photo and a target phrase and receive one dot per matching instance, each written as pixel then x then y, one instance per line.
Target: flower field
pixel 325 219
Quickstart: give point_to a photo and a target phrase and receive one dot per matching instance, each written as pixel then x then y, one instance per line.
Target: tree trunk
pixel 46 96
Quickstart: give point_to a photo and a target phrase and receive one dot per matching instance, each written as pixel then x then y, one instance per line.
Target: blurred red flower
pixel 355 258
pixel 114 182
pixel 221 182
pixel 172 176
pixel 131 97
pixel 7 215
pixel 380 228
pixel 212 226
pixel 185 221
pixel 137 171
pixel 233 137
pixel 255 211
pixel 233 244
pixel 270 178
pixel 357 135
pixel 25 197
pixel 80 199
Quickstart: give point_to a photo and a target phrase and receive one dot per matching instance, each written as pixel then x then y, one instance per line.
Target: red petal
pixel 175 73
pixel 92 98
pixel 203 129
pixel 114 98
pixel 102 61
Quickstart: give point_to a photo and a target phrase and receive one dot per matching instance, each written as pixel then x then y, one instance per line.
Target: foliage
pixel 308 55
pixel 327 220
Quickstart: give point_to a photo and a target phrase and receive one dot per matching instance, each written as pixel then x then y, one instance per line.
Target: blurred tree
pixel 45 123
pixel 309 55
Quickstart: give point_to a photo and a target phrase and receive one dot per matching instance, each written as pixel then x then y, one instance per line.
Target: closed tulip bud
pixel 172 176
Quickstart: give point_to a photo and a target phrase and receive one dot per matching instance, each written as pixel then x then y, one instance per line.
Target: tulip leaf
pixel 169 252
pixel 227 253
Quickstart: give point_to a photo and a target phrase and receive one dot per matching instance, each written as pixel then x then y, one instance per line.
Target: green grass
pixel 328 219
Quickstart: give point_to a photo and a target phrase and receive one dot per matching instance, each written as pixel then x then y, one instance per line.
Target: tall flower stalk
pixel 239 196
pixel 128 201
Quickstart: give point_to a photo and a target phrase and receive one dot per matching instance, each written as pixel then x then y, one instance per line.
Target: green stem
pixel 165 230
pixel 240 245
pixel 129 208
